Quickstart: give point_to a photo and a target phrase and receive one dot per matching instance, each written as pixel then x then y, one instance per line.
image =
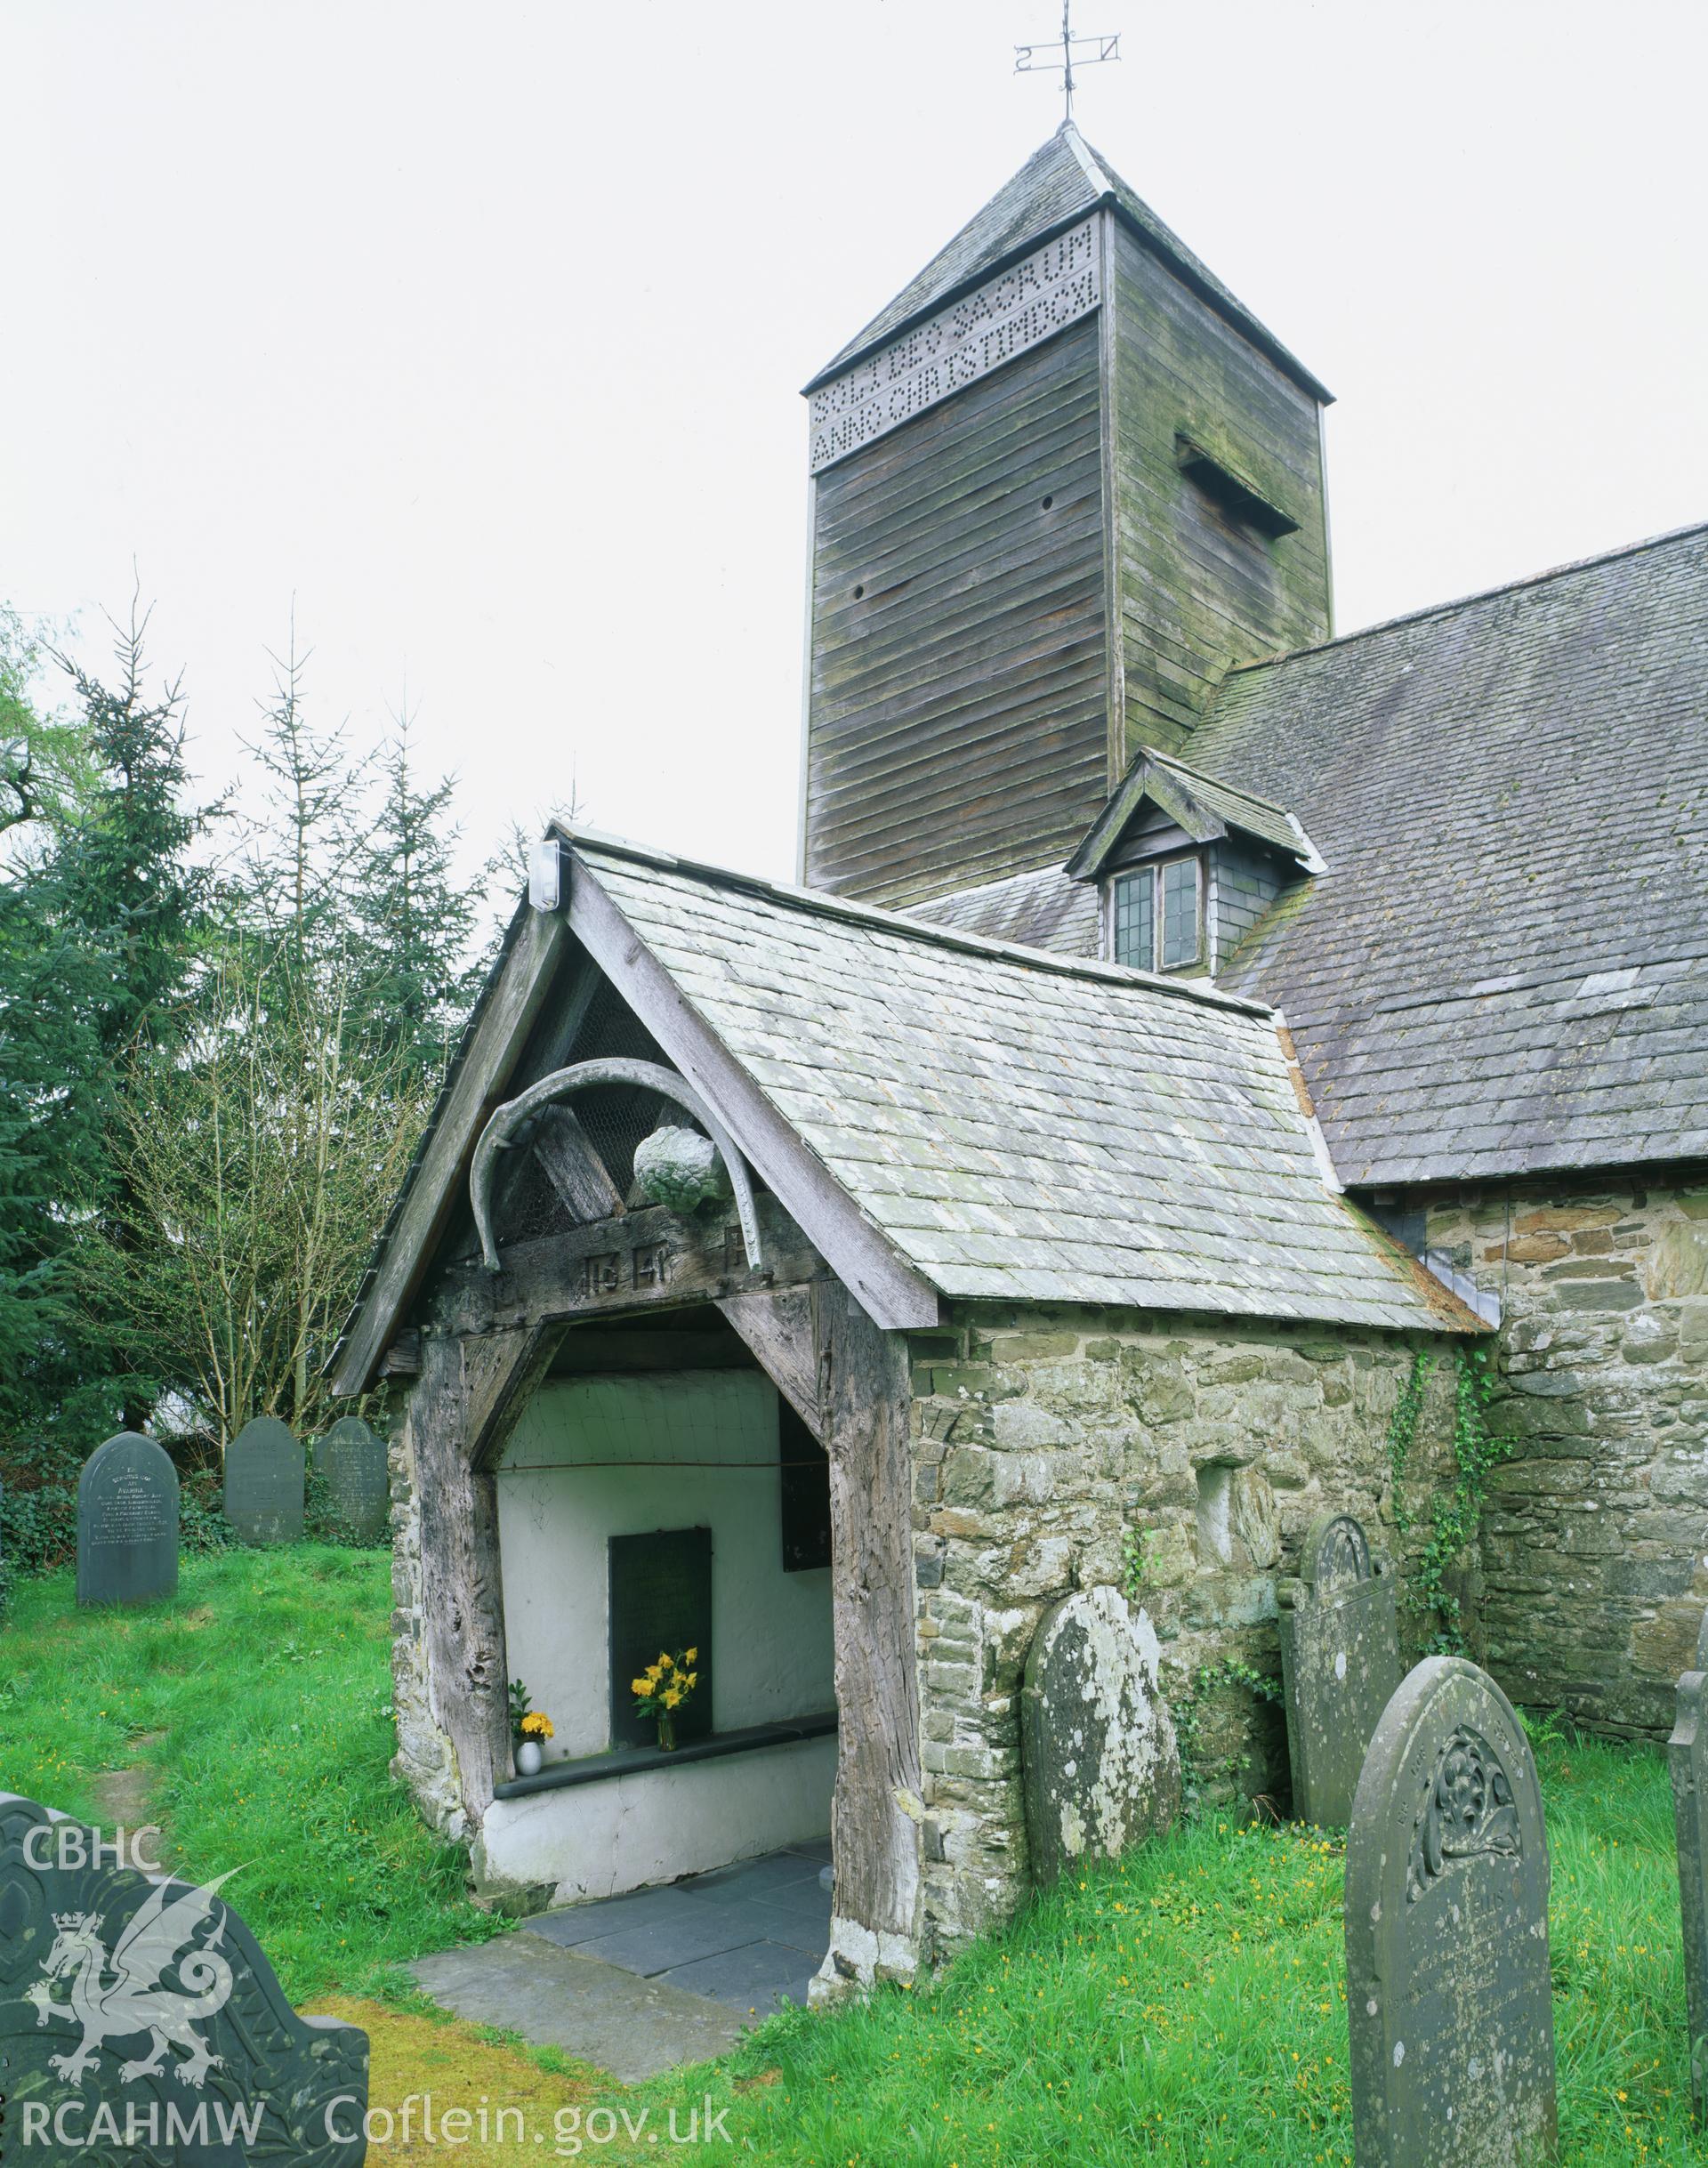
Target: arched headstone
pixel 359 1487
pixel 1340 1665
pixel 1686 1756
pixel 127 1522
pixel 140 2022
pixel 1100 1764
pixel 1447 1993
pixel 263 1482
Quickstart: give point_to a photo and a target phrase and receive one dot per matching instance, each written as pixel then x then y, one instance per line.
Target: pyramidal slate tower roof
pixel 1062 181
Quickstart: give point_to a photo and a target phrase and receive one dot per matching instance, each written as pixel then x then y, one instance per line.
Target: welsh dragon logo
pixel 119 1995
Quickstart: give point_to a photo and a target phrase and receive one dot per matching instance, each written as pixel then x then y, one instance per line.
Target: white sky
pixel 479 329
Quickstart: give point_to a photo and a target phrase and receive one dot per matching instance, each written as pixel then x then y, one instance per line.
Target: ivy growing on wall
pixel 1455 1512
pixel 1187 1703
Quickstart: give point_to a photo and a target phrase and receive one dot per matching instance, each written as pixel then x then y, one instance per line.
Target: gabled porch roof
pixel 942 1116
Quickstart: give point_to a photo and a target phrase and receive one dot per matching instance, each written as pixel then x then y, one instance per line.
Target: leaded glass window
pixel 1156 916
pixel 1135 920
pixel 1179 914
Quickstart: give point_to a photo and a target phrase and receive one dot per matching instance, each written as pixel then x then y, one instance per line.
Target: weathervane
pixel 1089 51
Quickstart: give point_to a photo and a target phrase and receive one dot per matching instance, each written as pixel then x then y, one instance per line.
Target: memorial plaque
pixel 263 1483
pixel 1101 1768
pixel 127 1522
pixel 1340 1665
pixel 140 2021
pixel 1448 1993
pixel 661 1602
pixel 358 1486
pixel 1686 1755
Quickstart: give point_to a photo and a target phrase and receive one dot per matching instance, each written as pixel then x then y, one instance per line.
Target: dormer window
pixel 1157 915
pixel 1187 866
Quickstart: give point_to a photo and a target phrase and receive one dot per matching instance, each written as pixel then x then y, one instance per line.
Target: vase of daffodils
pixel 530 1728
pixel 662 1691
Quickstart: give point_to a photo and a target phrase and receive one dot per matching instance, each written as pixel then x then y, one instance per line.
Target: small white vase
pixel 528 1757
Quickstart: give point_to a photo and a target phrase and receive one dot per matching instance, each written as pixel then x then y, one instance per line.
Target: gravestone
pixel 1340 1665
pixel 1100 1768
pixel 127 1522
pixel 1448 1993
pixel 140 2022
pixel 1686 1755
pixel 358 1486
pixel 263 1483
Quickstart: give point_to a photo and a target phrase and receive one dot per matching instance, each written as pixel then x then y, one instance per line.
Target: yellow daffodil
pixel 643 1687
pixel 691 1655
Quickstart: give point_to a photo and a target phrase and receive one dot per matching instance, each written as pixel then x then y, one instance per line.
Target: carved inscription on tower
pixel 1055 286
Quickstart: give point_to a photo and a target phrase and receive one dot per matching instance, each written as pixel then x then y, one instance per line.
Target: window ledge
pixel 632 1760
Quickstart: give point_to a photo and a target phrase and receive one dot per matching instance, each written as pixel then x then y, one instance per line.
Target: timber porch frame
pixel 488 1343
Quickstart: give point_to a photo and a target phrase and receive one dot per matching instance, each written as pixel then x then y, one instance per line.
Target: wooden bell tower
pixel 1060 485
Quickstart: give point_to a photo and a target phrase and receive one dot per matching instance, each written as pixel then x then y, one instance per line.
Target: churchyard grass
pixel 256 1701
pixel 1184 2005
pixel 1187 2005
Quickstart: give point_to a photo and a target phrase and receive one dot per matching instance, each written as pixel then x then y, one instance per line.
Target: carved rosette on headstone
pixel 127 1522
pixel 1686 1755
pixel 358 1488
pixel 1101 1768
pixel 1340 1665
pixel 263 1482
pixel 140 2022
pixel 1448 1993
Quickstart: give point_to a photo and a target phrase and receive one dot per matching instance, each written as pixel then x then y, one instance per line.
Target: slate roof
pixel 1018 1125
pixel 1043 909
pixel 1061 181
pixel 1504 967
pixel 1202 806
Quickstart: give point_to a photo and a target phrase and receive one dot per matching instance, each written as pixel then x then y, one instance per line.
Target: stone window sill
pixel 632 1760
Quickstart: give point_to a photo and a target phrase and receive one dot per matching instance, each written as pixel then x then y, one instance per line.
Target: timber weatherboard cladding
pixel 1199 590
pixel 983 663
pixel 958 706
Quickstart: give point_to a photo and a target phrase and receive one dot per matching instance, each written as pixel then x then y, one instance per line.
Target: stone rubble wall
pixel 1042 1437
pixel 424 1761
pixel 1594 1548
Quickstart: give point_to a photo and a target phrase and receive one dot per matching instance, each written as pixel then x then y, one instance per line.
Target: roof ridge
pixel 1480 594
pixel 828 906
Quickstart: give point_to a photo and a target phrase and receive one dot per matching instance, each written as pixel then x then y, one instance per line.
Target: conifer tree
pixel 412 925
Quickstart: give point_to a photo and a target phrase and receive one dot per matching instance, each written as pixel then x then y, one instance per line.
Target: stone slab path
pixel 639 1983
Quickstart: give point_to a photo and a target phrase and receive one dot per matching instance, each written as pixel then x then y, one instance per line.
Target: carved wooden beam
pixel 468 1393
pixel 587 1075
pixel 849 1384
pixel 572 1165
pixel 777 1325
pixel 864 1376
pixel 636 1260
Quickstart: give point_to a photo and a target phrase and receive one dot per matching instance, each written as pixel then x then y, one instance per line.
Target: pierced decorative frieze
pixel 1051 288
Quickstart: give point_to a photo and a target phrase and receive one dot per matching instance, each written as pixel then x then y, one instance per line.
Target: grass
pixel 267 1682
pixel 1187 2005
pixel 1183 2005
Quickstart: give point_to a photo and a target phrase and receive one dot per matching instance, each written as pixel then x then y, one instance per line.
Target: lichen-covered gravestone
pixel 1340 1665
pixel 263 1482
pixel 1448 1993
pixel 358 1491
pixel 1687 1755
pixel 1100 1767
pixel 140 2022
pixel 127 1522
